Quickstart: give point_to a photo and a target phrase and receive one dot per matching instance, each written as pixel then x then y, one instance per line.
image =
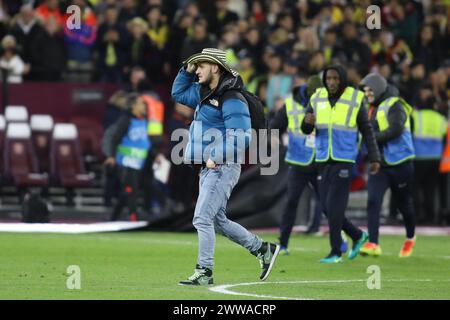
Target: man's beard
pixel 207 79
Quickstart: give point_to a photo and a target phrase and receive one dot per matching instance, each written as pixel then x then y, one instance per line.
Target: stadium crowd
pixel 274 44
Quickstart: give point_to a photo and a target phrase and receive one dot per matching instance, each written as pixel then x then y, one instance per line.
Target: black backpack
pixel 35 209
pixel 256 109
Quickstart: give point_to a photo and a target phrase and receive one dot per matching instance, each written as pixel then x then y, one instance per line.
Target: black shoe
pixel 201 276
pixel 267 255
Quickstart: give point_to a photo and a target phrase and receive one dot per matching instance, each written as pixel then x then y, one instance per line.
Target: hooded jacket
pixel 221 119
pixel 280 121
pixel 396 116
pixel 362 120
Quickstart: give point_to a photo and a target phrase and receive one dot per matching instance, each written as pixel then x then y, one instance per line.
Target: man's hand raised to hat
pixel 191 67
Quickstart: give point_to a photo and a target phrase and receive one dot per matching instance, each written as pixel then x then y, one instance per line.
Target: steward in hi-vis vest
pixel 337 114
pixel 300 157
pixel 430 128
pixel 391 118
pixel 127 144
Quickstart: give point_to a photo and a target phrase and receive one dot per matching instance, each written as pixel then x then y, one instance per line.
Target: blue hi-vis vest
pixel 400 149
pixel 430 128
pixel 336 127
pixel 300 148
pixel 133 149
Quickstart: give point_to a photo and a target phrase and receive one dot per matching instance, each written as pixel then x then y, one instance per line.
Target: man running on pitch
pixel 219 107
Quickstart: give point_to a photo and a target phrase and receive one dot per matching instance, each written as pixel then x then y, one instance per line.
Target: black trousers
pixel 129 192
pixel 334 188
pixel 184 183
pixel 298 179
pixel 426 186
pixel 399 179
pixel 149 185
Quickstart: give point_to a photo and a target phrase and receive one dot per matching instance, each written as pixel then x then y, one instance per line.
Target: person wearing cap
pixel 207 84
pixel 390 117
pixel 337 112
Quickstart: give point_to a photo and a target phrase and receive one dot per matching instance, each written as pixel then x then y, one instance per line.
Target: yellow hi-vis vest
pixel 400 149
pixel 300 149
pixel 429 130
pixel 336 127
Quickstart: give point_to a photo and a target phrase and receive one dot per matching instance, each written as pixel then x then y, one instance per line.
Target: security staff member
pixel 155 130
pixel 127 144
pixel 337 112
pixel 390 117
pixel 300 155
pixel 430 128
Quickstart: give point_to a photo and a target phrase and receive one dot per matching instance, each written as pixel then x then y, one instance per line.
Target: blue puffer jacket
pixel 221 126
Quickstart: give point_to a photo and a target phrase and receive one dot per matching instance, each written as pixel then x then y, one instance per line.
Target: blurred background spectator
pixel 140 44
pixel 11 65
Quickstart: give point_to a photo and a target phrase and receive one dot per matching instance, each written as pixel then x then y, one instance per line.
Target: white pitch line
pixel 224 289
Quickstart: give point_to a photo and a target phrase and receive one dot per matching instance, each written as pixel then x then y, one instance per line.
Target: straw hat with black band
pixel 212 55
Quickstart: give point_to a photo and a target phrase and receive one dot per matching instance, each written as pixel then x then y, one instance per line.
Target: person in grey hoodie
pixel 390 117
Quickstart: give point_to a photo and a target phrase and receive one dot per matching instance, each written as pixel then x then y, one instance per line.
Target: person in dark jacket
pixel 111 47
pixel 390 117
pixel 222 115
pixel 299 156
pixel 48 53
pixel 337 112
pixel 126 144
pixel 429 131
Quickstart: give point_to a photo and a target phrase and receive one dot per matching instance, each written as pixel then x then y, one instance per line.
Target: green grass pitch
pixel 148 265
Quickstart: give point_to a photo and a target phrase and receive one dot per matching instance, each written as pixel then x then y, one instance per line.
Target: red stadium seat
pixel 16 114
pixel 41 133
pixel 20 165
pixel 67 169
pixel 90 136
pixel 2 139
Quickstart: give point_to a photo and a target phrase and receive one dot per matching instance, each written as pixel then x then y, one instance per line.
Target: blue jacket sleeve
pixel 238 135
pixel 185 90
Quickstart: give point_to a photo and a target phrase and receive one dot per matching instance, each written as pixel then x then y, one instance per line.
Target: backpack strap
pixel 232 93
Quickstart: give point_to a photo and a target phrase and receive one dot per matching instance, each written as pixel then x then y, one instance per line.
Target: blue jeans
pixel 209 216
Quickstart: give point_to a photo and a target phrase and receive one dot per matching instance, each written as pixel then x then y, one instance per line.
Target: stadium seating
pixel 41 133
pixel 20 163
pixel 90 134
pixel 66 165
pixel 16 114
pixel 2 138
